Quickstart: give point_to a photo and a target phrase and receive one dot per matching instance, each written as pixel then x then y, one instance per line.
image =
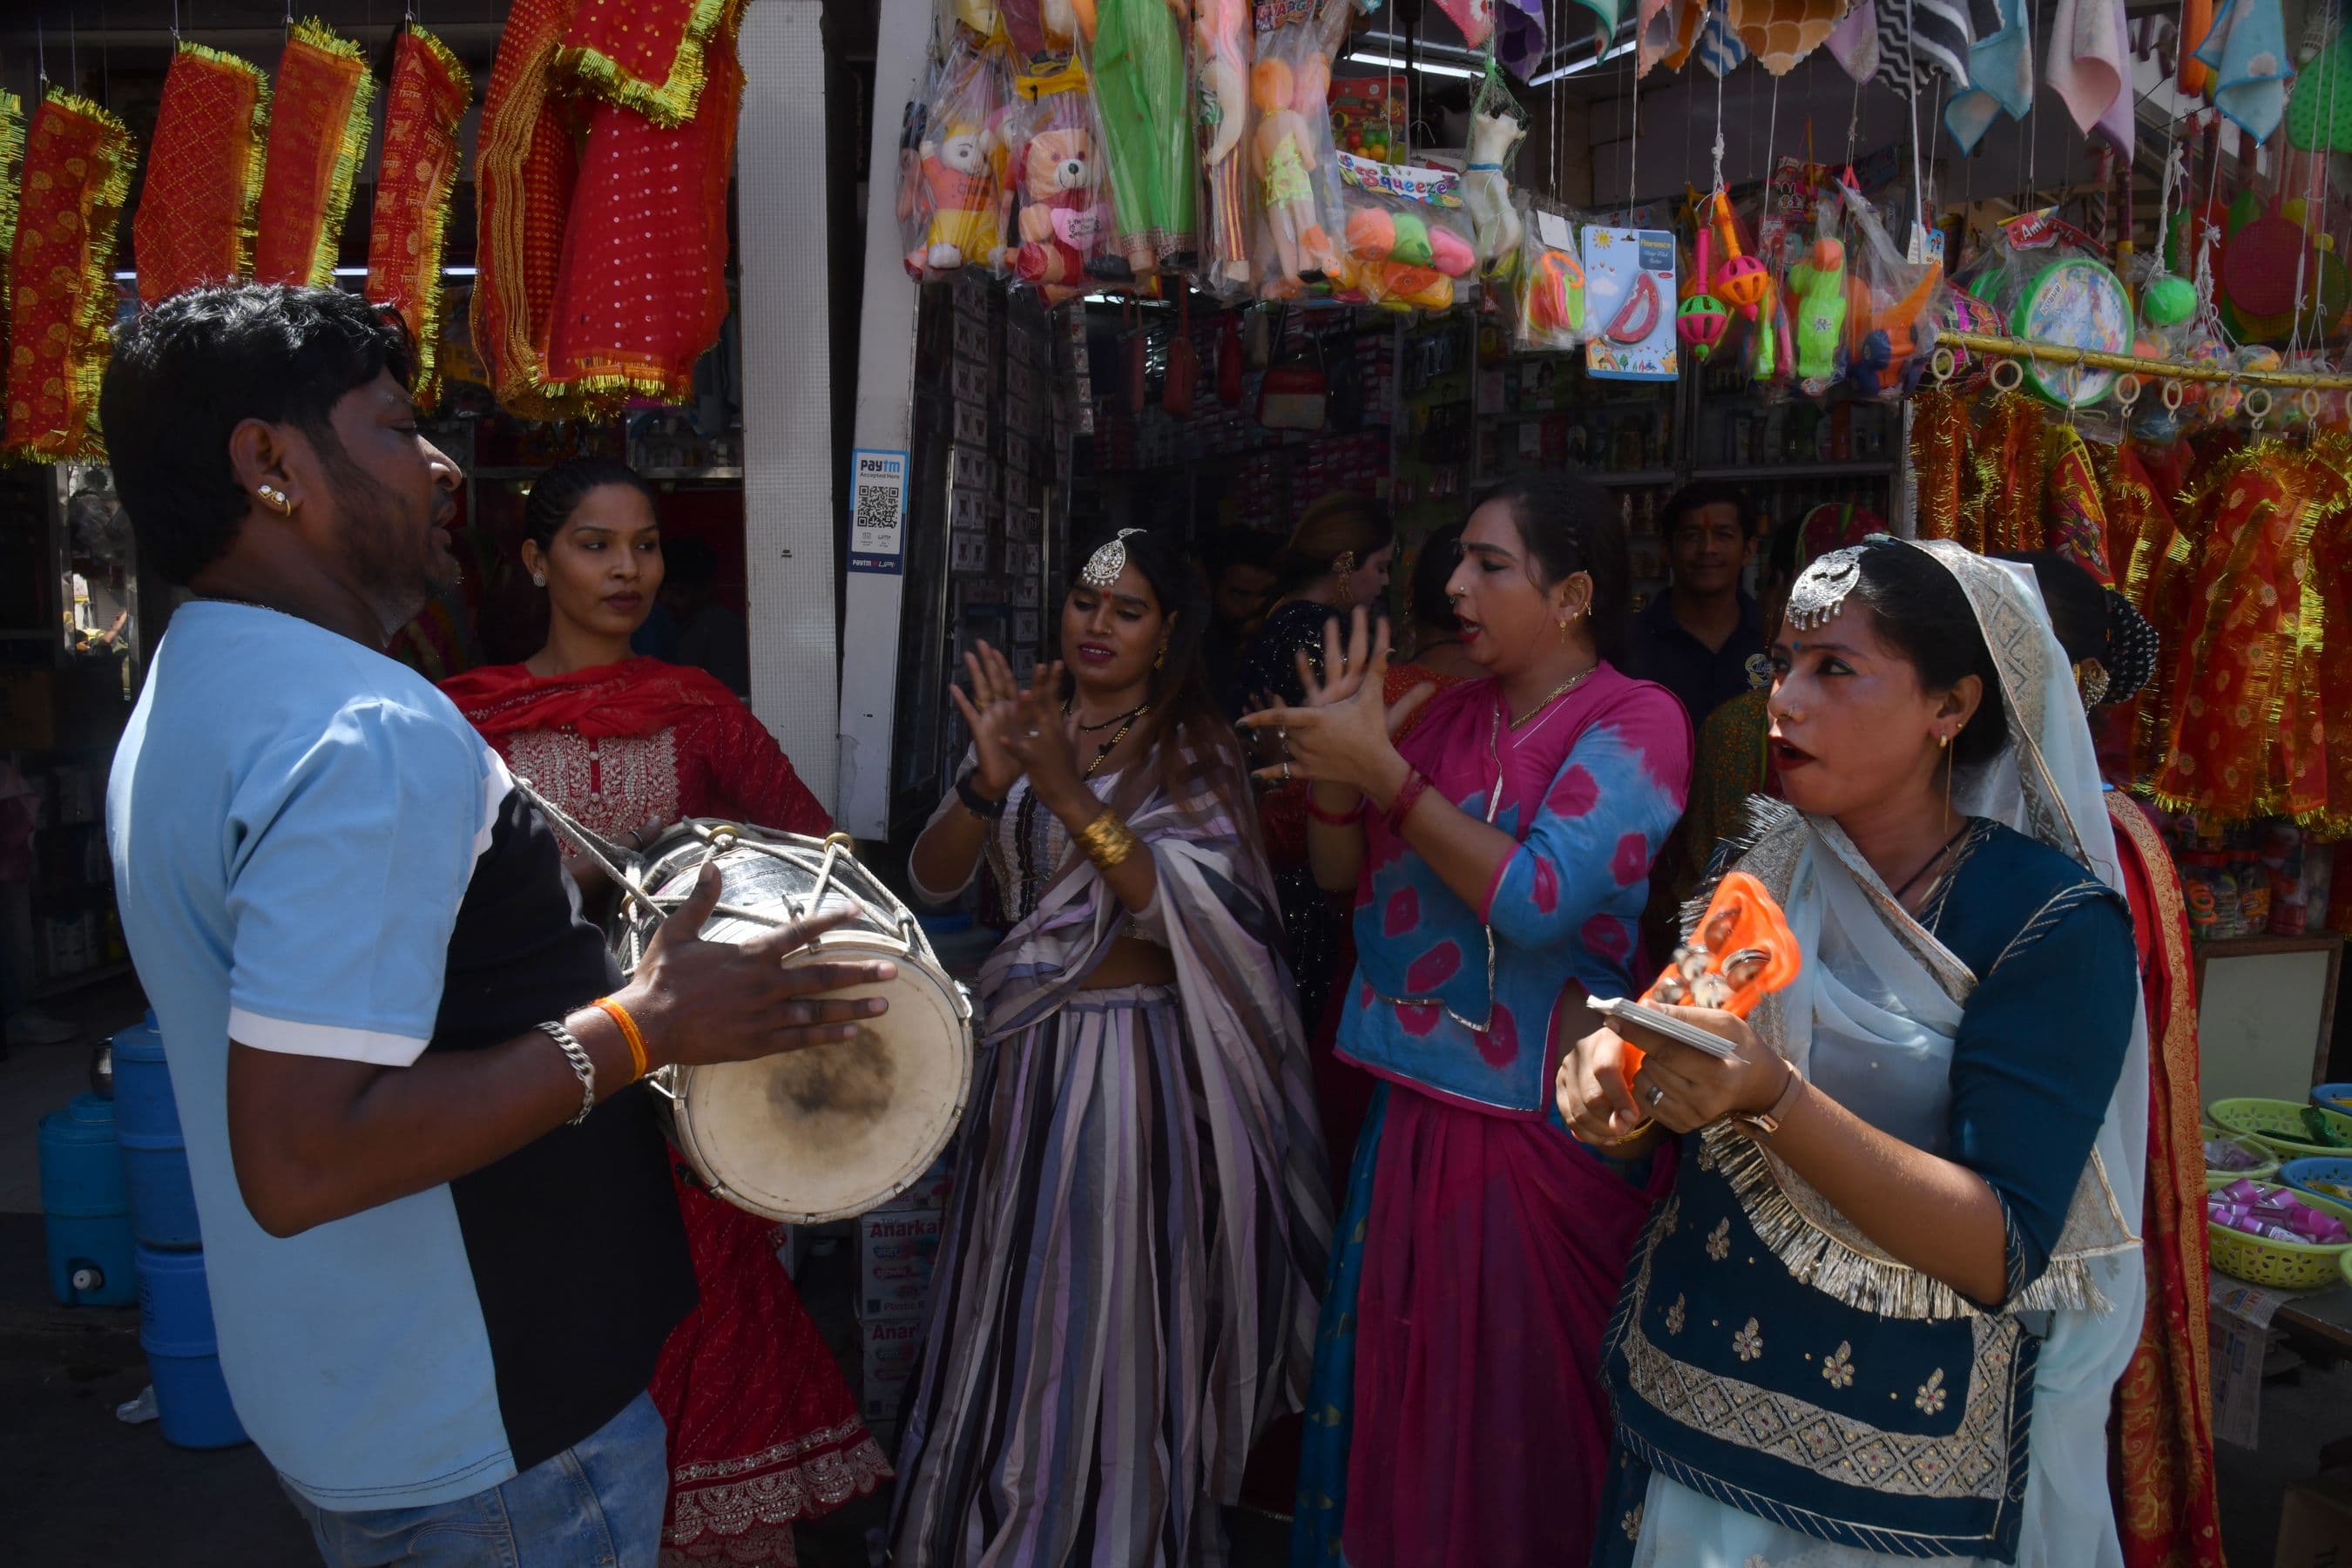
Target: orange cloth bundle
pixel 646 55
pixel 643 290
pixel 318 134
pixel 525 167
pixel 196 220
pixel 1741 952
pixel 418 174
pixel 77 162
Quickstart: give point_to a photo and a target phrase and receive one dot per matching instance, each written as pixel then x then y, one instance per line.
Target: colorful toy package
pixel 1550 307
pixel 1497 126
pixel 1407 237
pixel 1222 44
pixel 1888 297
pixel 1062 218
pixel 1293 162
pixel 1630 292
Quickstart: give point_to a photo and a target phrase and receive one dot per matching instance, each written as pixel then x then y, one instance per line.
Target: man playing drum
pixel 442 1242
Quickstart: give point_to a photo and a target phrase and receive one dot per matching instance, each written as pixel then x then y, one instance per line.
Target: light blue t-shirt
pixel 294 821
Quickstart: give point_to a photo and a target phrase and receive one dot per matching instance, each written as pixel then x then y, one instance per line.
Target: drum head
pixel 831 1132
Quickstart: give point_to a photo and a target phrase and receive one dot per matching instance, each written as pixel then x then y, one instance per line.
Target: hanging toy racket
pixel 1741 281
pixel 1742 952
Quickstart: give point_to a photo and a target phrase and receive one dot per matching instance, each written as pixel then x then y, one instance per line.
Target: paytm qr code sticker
pixel 877 491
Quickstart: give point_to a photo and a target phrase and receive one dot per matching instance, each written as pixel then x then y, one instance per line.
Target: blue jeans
pixel 598 1504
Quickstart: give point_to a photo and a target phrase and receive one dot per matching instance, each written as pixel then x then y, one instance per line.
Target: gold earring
pixel 1942 741
pixel 1948 779
pixel 1160 659
pixel 1563 629
pixel 273 498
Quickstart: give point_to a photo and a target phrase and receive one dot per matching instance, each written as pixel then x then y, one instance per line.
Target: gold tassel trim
pixel 12 170
pixel 1879 1286
pixel 348 156
pixel 256 150
pixel 671 104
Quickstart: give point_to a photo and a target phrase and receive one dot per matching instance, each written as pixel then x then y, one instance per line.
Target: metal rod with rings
pixel 2011 350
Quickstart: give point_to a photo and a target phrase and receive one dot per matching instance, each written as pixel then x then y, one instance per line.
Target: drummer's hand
pixel 589 873
pixel 698 1000
pixel 990 712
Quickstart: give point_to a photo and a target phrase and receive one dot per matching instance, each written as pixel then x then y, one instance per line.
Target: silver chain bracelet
pixel 583 1068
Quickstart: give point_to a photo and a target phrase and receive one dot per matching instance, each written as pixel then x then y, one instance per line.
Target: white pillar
pixel 885 364
pixel 788 508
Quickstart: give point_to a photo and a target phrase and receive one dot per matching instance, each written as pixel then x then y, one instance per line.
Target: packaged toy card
pixel 1630 293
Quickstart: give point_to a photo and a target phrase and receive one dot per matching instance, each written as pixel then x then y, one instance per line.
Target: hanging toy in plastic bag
pixel 1549 287
pixel 1222 39
pixel 1701 320
pixel 1497 126
pixel 1963 312
pixel 1407 235
pixel 951 197
pixel 1135 56
pixel 1292 155
pixel 1768 354
pixel 1817 305
pixel 1741 952
pixel 1887 296
pixel 1065 214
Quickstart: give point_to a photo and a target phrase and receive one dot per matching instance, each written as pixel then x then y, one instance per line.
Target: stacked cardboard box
pixel 897 1246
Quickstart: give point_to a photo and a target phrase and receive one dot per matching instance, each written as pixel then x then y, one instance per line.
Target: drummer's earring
pixel 539 579
pixel 274 498
pixel 1160 659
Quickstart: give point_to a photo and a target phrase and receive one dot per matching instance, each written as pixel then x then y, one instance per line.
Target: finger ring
pixel 1657 1095
pixel 1035 733
pixel 1286 773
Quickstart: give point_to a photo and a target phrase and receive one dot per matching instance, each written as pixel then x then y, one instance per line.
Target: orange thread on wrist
pixel 629 1032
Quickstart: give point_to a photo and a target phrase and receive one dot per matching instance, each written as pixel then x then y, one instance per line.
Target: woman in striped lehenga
pixel 1126 1288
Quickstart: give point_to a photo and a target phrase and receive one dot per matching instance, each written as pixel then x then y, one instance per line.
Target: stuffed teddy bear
pixel 959 189
pixel 1064 208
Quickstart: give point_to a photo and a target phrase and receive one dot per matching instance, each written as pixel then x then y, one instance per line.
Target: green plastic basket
pixel 2266 1169
pixel 2290 1127
pixel 2287 1265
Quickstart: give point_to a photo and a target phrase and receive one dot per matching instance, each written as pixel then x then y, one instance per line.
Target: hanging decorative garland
pixel 318 134
pixel 196 212
pixel 418 174
pixel 77 163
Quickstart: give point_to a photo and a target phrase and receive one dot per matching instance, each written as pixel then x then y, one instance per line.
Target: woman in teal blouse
pixel 1884 1309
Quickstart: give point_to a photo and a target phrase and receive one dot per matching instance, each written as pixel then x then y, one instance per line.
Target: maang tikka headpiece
pixel 1103 567
pixel 1823 586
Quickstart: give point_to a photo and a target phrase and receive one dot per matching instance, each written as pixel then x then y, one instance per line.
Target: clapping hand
pixel 1343 731
pixel 992 713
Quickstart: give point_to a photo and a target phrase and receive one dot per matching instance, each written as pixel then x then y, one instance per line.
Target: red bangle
pixel 1408 795
pixel 1334 818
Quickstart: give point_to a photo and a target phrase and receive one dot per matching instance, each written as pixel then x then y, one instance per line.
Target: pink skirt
pixel 1492 1260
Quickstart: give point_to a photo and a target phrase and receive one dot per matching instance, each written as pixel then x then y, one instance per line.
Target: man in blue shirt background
pixel 1695 639
pixel 442 1244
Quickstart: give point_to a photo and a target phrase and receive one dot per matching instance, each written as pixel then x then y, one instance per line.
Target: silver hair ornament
pixel 1823 586
pixel 1103 567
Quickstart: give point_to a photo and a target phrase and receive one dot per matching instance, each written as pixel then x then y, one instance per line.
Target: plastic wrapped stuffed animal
pixel 958 179
pixel 1065 209
pixel 951 196
pixel 1485 181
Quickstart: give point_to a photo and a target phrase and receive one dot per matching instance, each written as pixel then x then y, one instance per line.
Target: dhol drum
pixel 833 1131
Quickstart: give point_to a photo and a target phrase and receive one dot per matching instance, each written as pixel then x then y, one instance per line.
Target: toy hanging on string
pixel 1701 320
pixel 1292 154
pixel 1888 297
pixel 1222 39
pixel 1135 53
pixel 1065 214
pixel 1549 288
pixel 1407 239
pixel 952 201
pixel 1497 127
pixel 1741 282
pixel 1817 306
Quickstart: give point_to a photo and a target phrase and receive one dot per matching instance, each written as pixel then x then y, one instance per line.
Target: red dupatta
pixel 317 138
pixel 2166 1510
pixel 195 219
pixel 76 173
pixel 636 697
pixel 417 176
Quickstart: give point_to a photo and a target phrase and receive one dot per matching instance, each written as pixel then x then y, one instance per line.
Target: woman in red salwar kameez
pixel 763 1428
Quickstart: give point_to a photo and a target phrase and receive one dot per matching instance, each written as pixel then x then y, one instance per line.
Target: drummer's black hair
pixel 1182 710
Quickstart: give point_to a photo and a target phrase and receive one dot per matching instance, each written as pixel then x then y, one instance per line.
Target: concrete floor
pixel 80 1490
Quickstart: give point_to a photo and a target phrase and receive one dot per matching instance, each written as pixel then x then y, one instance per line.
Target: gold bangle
pixel 629 1032
pixel 1106 841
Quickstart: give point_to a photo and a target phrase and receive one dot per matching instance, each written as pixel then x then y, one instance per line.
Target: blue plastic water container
pixel 154 1157
pixel 85 1211
pixel 176 1330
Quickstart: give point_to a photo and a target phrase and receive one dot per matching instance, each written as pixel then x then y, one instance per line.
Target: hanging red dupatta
pixel 641 292
pixel 417 176
pixel 2076 515
pixel 2248 731
pixel 2166 1512
pixel 637 697
pixel 645 54
pixel 12 165
pixel 526 165
pixel 318 134
pixel 77 162
pixel 196 212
